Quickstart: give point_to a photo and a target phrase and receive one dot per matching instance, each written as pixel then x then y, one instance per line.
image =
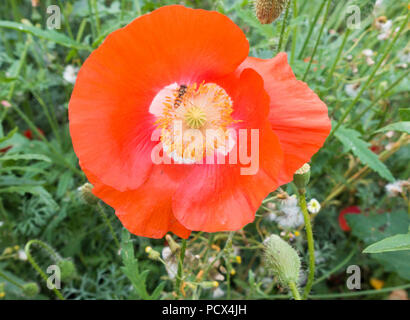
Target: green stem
pixel 294 290
pixel 66 22
pixel 311 248
pixel 295 32
pixel 318 40
pixel 381 96
pixel 312 25
pixel 339 53
pixel 7 278
pixel 358 293
pixel 282 32
pixel 341 264
pixel 108 224
pixel 180 265
pixel 21 62
pixel 364 87
pixel 54 255
pixel 228 245
pixel 97 16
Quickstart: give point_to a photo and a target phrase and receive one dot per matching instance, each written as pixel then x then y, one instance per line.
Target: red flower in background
pixel 342 220
pixel 192 66
pixel 29 134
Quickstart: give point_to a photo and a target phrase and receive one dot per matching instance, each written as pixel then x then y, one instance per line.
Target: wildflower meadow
pixel 204 150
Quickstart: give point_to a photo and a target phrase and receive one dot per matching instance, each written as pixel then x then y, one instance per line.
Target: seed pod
pixel 68 271
pixel 31 289
pixel 282 260
pixel 268 11
pixel 302 176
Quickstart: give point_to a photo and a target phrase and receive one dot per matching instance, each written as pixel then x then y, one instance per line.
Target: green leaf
pixel 9 135
pixel 51 35
pixel 25 157
pixel 404 114
pixel 39 191
pixel 376 227
pixel 131 266
pixel 403 126
pixel 351 140
pixel 395 243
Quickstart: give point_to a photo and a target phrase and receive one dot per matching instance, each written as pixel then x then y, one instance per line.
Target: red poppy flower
pixel 342 220
pixel 179 65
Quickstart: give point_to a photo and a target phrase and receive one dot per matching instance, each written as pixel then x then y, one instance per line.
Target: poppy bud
pixel 282 260
pixel 31 289
pixel 268 11
pixel 86 193
pixel 67 269
pixel 175 247
pixel 152 254
pixel 302 176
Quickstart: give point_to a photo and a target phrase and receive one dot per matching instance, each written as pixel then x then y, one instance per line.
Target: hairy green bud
pixel 67 269
pixel 282 260
pixel 31 289
pixel 86 194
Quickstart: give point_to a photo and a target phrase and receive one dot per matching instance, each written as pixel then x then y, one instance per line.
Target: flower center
pixel 195 117
pixel 194 121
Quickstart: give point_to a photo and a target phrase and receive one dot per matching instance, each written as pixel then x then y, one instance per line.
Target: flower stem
pixel 8 279
pixel 381 96
pixel 312 25
pixel 180 265
pixel 108 223
pixel 294 290
pixel 318 40
pixel 295 32
pixel 54 255
pixel 311 248
pixel 338 55
pixel 282 32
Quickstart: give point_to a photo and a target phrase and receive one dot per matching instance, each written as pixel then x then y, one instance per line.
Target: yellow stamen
pixel 202 107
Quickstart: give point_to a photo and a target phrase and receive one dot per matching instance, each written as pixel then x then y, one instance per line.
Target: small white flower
pixel 22 255
pixel 378 3
pixel 171 262
pixel 368 52
pixel 389 146
pixel 402 65
pixel 352 89
pixel 218 293
pixel 1 223
pixel 385 29
pixel 369 61
pixel 290 215
pixel 5 103
pixel 313 206
pixel 395 188
pixel 390 134
pixel 70 73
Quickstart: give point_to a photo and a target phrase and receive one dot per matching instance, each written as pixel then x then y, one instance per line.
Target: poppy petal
pixel 110 123
pixel 140 212
pixel 297 115
pixel 218 197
